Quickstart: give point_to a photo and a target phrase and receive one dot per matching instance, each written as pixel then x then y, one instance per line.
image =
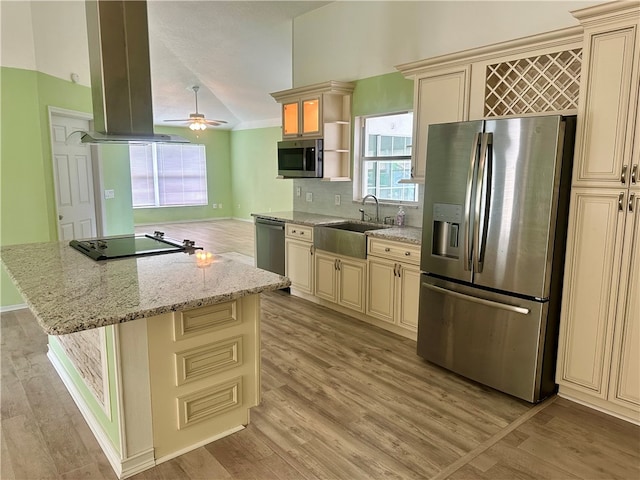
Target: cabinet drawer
pixel 300 232
pixel 199 321
pixel 403 252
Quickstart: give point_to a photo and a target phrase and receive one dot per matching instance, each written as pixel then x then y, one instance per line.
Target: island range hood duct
pixel 121 74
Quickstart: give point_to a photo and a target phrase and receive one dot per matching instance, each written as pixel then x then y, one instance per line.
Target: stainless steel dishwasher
pixel 270 245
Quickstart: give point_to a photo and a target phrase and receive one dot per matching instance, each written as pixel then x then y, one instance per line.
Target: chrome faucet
pixel 364 199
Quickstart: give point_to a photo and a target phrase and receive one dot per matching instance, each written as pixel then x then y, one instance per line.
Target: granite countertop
pixel 69 292
pixel 399 234
pixel 301 218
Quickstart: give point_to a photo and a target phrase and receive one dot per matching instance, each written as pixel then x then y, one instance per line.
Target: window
pixel 386 157
pixel 166 175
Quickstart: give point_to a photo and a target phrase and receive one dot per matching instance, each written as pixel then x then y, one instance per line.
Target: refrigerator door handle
pixel 477 263
pixel 467 203
pixel 481 301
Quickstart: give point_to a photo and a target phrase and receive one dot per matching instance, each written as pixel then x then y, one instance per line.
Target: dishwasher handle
pixel 273 224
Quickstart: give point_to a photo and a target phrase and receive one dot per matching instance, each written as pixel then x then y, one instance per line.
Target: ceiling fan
pixel 197 120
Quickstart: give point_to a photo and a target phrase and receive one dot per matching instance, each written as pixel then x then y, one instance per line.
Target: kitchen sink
pixel 347 238
pixel 356 227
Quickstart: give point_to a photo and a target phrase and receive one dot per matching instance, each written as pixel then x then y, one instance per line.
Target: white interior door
pixel 73 176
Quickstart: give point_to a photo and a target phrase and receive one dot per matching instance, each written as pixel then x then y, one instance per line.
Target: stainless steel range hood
pixel 121 74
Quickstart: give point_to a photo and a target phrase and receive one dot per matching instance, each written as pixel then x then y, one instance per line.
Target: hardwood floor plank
pixel 86 472
pixel 574 447
pixel 14 398
pixel 514 463
pixel 585 422
pixel 199 464
pixel 28 452
pixel 6 468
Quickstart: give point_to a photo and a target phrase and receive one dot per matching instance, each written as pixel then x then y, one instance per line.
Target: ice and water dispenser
pixel 447 234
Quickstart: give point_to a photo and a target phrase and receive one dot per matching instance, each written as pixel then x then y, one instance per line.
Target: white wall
pixel 351 40
pixel 50 37
pixel 16 36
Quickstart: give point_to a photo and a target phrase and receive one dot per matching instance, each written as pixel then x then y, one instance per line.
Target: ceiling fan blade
pixel 180 120
pixel 214 122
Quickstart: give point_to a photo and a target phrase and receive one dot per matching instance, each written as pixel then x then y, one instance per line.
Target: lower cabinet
pixel 204 369
pixel 599 344
pixel 393 288
pixel 298 258
pixel 299 265
pixel 340 279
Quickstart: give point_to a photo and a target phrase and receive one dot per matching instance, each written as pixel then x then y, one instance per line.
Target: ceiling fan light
pixel 195 126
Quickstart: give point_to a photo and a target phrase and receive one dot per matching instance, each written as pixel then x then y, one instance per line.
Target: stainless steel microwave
pixel 300 158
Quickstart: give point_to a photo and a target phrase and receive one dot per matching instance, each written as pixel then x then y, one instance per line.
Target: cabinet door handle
pixel 335 264
pixel 620 201
pixel 634 174
pixel 311 249
pixel 623 175
pixel 395 269
pixel 339 264
pixel 632 197
pixel 387 249
pixel 406 254
pixel 399 270
pixel 301 233
pixel 293 231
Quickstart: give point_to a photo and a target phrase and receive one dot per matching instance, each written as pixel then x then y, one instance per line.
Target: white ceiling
pixel 236 51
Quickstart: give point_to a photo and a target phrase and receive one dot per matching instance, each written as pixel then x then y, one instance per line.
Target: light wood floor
pixel 341 400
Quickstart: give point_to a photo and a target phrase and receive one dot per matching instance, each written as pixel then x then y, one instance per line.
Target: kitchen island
pixel 160 353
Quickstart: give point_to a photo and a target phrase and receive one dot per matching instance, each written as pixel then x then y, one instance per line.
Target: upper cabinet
pixel 301 118
pixel 532 75
pixel 609 94
pixel 599 346
pixel 323 111
pixel 440 96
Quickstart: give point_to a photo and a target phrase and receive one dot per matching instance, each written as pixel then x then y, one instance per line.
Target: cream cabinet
pixel 321 111
pixel 340 280
pixel 299 251
pixel 608 100
pixel 301 117
pixel 599 344
pixel 393 288
pixel 439 96
pixel 625 364
pixel 204 368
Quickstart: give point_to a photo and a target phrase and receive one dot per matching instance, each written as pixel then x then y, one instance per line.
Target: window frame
pixel 155 159
pixel 360 159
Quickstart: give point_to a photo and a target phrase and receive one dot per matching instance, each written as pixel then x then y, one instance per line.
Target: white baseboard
pixel 11 308
pixel 184 221
pixel 123 468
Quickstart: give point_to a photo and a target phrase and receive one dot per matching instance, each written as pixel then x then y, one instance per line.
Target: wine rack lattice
pixel 544 83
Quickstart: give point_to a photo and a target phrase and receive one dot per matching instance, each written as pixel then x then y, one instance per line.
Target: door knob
pixel 59 217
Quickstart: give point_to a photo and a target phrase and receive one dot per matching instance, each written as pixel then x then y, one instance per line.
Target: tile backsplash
pixel 323 201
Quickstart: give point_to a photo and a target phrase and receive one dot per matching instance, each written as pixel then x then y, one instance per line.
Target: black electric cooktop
pixel 131 246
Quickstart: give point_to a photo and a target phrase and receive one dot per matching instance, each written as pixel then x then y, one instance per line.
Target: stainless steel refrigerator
pixel 495 218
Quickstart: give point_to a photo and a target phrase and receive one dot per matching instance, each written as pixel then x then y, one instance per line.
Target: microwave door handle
pixel 477 264
pixel 467 203
pixel 309 159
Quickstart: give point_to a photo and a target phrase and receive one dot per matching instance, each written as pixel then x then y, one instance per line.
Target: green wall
pixel 382 94
pixel 27 201
pixel 254 168
pixel 116 176
pixel 217 146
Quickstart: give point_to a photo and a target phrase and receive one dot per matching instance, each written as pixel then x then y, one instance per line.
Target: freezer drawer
pixel 493 339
